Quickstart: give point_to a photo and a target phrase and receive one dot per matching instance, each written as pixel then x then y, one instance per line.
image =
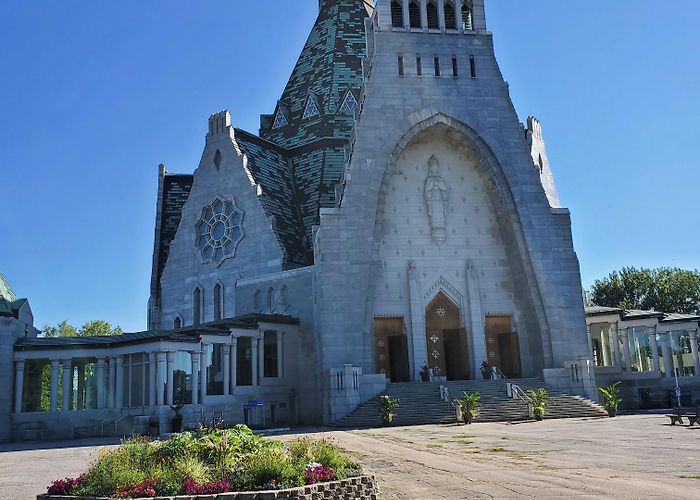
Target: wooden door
pixel 441 316
pixel 391 349
pixel 502 346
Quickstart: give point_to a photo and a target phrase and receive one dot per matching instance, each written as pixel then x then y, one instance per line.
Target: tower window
pixel 455 68
pixel 472 66
pixel 541 163
pixel 349 104
pixel 436 61
pixel 467 23
pixel 311 109
pixel 450 17
pixel 401 68
pixel 177 323
pixel 433 22
pixel 396 14
pixel 414 14
pixel 419 66
pixel 280 119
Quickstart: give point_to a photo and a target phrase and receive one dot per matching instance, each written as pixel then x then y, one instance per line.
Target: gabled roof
pixel 5 290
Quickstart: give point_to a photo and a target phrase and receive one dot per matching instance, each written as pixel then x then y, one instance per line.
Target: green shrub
pixel 270 468
pixel 305 450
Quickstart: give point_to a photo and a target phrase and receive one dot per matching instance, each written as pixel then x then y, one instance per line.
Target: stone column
pixel 67 383
pixel 280 354
pixel 152 382
pixel 261 357
pixel 254 358
pixel 626 349
pixel 227 369
pixel 694 350
pixel 195 377
pixel 666 347
pixel 203 371
pixel 160 378
pixel 119 383
pixel 654 349
pixel 441 14
pixel 234 364
pixel 19 384
pixel 424 14
pixel 54 385
pixel 112 380
pixel 406 17
pixel 100 383
pixel 458 15
pixel 169 383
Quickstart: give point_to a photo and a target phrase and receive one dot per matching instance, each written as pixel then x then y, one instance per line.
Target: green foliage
pixel 387 408
pixel 664 289
pixel 247 460
pixel 611 395
pixel 469 405
pixel 96 328
pixel 539 401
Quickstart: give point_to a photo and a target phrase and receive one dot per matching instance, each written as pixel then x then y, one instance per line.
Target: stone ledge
pixel 360 488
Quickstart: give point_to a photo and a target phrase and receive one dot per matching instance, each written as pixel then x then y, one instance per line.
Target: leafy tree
pixel 96 328
pixel 664 289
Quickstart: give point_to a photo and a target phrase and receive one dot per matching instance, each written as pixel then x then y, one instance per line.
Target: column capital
pixel 693 334
pixel 19 365
pixel 101 362
pixel 170 355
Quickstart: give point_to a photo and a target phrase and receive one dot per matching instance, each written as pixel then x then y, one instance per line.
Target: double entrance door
pixel 446 339
pixel 502 346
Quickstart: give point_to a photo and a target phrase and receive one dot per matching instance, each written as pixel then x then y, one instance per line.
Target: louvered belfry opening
pixel 396 14
pixel 414 14
pixel 467 22
pixel 450 16
pixel 433 22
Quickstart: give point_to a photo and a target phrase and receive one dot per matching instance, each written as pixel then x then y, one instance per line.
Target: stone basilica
pixel 391 213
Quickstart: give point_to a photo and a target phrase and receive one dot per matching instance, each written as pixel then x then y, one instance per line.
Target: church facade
pixel 391 218
pixel 392 202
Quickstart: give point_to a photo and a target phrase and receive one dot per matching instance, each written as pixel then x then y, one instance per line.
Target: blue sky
pixel 94 95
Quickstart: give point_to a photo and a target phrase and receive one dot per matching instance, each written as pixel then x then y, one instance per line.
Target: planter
pixel 354 487
pixel 612 412
pixel 425 376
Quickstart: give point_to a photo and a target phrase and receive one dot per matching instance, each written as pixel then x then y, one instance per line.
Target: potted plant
pixel 468 407
pixel 537 401
pixel 486 370
pixel 611 398
pixel 387 408
pixel 425 373
pixel 177 419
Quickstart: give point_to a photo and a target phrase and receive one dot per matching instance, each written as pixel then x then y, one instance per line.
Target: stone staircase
pixel 420 403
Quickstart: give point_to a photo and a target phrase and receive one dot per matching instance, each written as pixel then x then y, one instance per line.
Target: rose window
pixel 219 231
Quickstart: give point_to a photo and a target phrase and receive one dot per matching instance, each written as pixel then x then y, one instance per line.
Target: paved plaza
pixel 625 457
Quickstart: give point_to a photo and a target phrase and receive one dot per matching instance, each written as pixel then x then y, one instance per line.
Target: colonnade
pixel 109 373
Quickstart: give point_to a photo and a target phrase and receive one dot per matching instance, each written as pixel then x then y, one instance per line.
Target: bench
pixel 692 414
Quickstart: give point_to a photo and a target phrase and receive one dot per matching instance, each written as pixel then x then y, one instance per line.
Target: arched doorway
pixel 391 349
pixel 446 339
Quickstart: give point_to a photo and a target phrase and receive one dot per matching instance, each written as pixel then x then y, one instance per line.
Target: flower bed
pixel 217 462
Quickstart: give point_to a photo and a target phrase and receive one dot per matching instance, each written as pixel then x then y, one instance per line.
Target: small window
pixel 311 109
pixel 472 66
pixel 178 323
pixel 467 23
pixel 217 159
pixel 218 302
pixel 414 14
pixel 455 68
pixel 419 65
pixel 450 17
pixel 197 306
pixel 401 69
pixel 270 299
pixel 396 14
pixel 541 163
pixel 436 62
pixel 280 120
pixel 257 306
pixel 349 104
pixel 433 22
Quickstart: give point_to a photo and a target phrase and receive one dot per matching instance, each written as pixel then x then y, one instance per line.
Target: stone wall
pixel 357 488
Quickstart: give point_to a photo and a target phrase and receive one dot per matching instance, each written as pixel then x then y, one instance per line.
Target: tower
pixel 447 234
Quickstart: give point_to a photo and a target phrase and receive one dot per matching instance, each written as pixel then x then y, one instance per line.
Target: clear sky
pixel 94 95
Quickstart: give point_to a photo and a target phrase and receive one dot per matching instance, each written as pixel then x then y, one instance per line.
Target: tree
pixel 96 328
pixel 664 289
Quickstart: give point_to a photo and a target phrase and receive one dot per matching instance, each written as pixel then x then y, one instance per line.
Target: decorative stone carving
pixel 218 231
pixel 436 197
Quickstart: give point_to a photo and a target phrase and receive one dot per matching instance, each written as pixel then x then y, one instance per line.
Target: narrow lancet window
pixel 436 61
pixel 401 68
pixel 197 306
pixel 455 68
pixel 472 66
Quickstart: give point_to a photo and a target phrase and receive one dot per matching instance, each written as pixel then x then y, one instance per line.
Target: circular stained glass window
pixel 218 231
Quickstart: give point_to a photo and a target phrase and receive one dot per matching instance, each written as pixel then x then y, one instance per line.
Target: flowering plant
pixel 143 489
pixel 192 487
pixel 317 473
pixel 64 486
